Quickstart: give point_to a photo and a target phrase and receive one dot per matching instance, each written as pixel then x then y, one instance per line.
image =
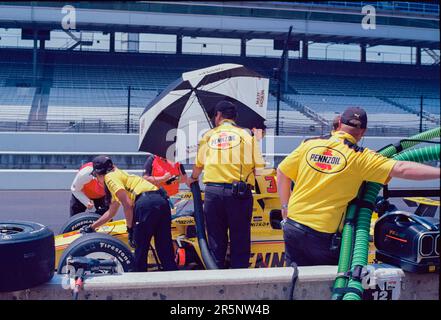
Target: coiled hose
pixel 360 233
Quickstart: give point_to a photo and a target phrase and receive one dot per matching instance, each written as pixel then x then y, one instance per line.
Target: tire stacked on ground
pixel 27 255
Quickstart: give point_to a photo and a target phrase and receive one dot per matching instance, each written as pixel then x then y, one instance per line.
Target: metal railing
pixel 287 127
pixel 394 6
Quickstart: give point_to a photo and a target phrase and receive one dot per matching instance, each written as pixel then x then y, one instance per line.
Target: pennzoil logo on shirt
pixel 326 160
pixel 224 140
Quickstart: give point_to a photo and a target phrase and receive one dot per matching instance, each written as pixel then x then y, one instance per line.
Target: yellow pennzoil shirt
pixel 328 173
pixel 229 153
pixel 134 185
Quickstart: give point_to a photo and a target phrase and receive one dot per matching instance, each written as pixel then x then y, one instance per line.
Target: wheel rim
pixel 10 230
pixel 105 255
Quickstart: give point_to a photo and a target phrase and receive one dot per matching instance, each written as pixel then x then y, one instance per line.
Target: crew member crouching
pixel 146 209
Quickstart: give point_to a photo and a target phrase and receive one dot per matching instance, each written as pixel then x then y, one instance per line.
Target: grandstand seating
pixel 14 71
pixel 78 104
pixel 363 86
pixel 15 103
pixel 112 77
pixel 288 117
pixel 94 90
pixel 379 112
pixel 429 105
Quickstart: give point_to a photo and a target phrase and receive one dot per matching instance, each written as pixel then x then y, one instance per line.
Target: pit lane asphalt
pixel 51 207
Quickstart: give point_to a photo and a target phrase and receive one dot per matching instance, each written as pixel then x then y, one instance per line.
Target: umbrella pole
pixel 203 109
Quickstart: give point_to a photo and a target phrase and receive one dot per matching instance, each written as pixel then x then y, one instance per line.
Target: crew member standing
pixel 164 173
pixel 146 209
pixel 87 192
pixel 328 172
pixel 229 157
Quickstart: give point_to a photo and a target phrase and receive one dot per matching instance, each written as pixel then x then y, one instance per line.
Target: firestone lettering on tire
pixel 120 254
pixel 81 223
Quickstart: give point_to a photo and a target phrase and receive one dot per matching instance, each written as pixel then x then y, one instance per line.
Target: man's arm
pixel 127 206
pixel 157 180
pixel 199 161
pixel 284 190
pixel 83 176
pixel 148 169
pixel 194 175
pixel 183 176
pixel 107 216
pixel 286 173
pixel 414 171
pixel 259 161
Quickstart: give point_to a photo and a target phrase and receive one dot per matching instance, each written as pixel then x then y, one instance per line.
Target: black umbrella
pixel 172 124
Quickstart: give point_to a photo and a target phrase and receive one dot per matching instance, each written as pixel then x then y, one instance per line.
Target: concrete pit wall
pixel 313 283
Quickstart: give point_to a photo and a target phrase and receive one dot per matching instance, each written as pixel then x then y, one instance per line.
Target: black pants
pixel 308 248
pixel 77 207
pixel 152 219
pixel 223 212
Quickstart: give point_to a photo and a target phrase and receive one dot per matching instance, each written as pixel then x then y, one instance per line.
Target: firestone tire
pixel 27 255
pixel 98 243
pixel 79 220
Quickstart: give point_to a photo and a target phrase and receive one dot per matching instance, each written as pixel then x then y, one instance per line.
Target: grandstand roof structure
pixel 337 22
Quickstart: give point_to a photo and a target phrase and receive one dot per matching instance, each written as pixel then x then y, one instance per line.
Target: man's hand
pixel 87 229
pixel 166 176
pixel 282 223
pixel 190 180
pixel 132 242
pixel 90 204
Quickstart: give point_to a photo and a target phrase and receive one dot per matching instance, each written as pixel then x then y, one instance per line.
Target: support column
pixel 285 71
pixel 243 47
pixel 305 49
pixel 112 41
pixel 133 42
pixel 34 59
pixel 418 56
pixel 179 43
pixel 363 52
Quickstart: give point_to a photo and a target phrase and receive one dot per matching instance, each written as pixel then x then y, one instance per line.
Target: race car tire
pixel 95 243
pixel 27 251
pixel 79 220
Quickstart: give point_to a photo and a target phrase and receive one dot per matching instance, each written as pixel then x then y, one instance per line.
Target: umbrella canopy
pixel 172 124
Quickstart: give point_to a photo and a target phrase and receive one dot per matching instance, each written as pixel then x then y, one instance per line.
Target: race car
pixel 267 245
pixel 110 240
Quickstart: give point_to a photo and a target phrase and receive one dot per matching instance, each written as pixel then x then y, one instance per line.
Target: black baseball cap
pixel 227 108
pixel 354 117
pixel 102 165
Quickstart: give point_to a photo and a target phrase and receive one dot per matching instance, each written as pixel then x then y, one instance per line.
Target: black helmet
pixel 102 165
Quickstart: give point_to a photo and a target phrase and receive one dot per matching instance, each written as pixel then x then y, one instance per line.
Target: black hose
pixel 75 295
pixel 294 278
pixel 207 257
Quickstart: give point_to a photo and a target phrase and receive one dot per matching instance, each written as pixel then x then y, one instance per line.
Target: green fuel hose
pixel 355 238
pixel 361 247
pixel 404 144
